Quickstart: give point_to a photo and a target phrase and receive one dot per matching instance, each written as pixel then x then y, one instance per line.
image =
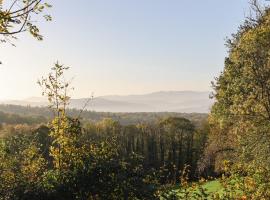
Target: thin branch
pixel 18 31
pixel 256 7
pixel 36 2
pixel 22 14
pixel 85 105
pixel 14 2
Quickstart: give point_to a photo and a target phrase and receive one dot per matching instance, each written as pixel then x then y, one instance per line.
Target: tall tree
pixel 240 118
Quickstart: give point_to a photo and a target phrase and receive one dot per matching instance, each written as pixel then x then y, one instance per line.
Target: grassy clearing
pixel 209 188
pixel 213 186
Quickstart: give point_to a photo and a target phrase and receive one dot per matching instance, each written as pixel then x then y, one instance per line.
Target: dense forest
pixel 163 148
pixel 34 115
pixel 160 150
pixel 60 153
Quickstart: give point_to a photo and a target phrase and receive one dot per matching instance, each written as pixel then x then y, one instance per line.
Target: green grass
pixel 213 186
pixel 209 187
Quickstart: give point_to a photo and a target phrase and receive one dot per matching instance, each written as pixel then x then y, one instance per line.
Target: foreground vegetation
pixel 206 189
pixel 67 159
pixel 74 158
pixel 238 141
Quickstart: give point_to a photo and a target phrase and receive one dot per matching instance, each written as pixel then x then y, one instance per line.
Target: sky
pixel 125 46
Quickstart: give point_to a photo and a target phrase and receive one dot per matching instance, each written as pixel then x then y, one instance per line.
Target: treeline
pixel 68 159
pixel 65 163
pixel 99 157
pixel 239 138
pixel 168 145
pixel 238 143
pixel 123 118
pixel 8 118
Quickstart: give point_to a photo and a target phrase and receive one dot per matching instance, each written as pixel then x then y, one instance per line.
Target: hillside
pixel 165 101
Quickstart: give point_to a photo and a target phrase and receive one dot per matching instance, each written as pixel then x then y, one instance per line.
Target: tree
pixel 19 16
pixel 240 118
pixel 56 89
pixel 179 135
pixel 239 138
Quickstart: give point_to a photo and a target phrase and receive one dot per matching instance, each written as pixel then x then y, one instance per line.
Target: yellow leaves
pixel 202 180
pixel 244 197
pixel 16 19
pixel 8 177
pixel 32 164
pixel 226 164
pixel 241 114
pixel 26 166
pixel 250 184
pixel 65 151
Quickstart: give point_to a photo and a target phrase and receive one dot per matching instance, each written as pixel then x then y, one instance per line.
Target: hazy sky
pixel 125 46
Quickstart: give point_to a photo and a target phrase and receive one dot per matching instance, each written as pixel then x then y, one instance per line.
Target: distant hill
pixel 164 101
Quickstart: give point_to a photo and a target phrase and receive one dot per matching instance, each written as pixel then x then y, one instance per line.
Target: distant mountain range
pixel 164 101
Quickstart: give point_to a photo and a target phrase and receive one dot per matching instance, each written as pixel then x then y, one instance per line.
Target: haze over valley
pixel 134 100
pixel 163 101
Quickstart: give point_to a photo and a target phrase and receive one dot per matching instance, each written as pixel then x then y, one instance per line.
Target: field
pixel 209 188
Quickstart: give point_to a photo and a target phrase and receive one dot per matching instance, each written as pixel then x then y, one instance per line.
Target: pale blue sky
pixel 125 46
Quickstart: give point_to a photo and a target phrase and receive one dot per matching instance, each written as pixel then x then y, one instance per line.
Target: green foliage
pixel 19 16
pixel 199 190
pixel 240 118
pixel 7 118
pixel 103 160
pixel 56 89
pixel 123 118
pixel 22 167
pixel 63 162
pixel 245 181
pixel 166 146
